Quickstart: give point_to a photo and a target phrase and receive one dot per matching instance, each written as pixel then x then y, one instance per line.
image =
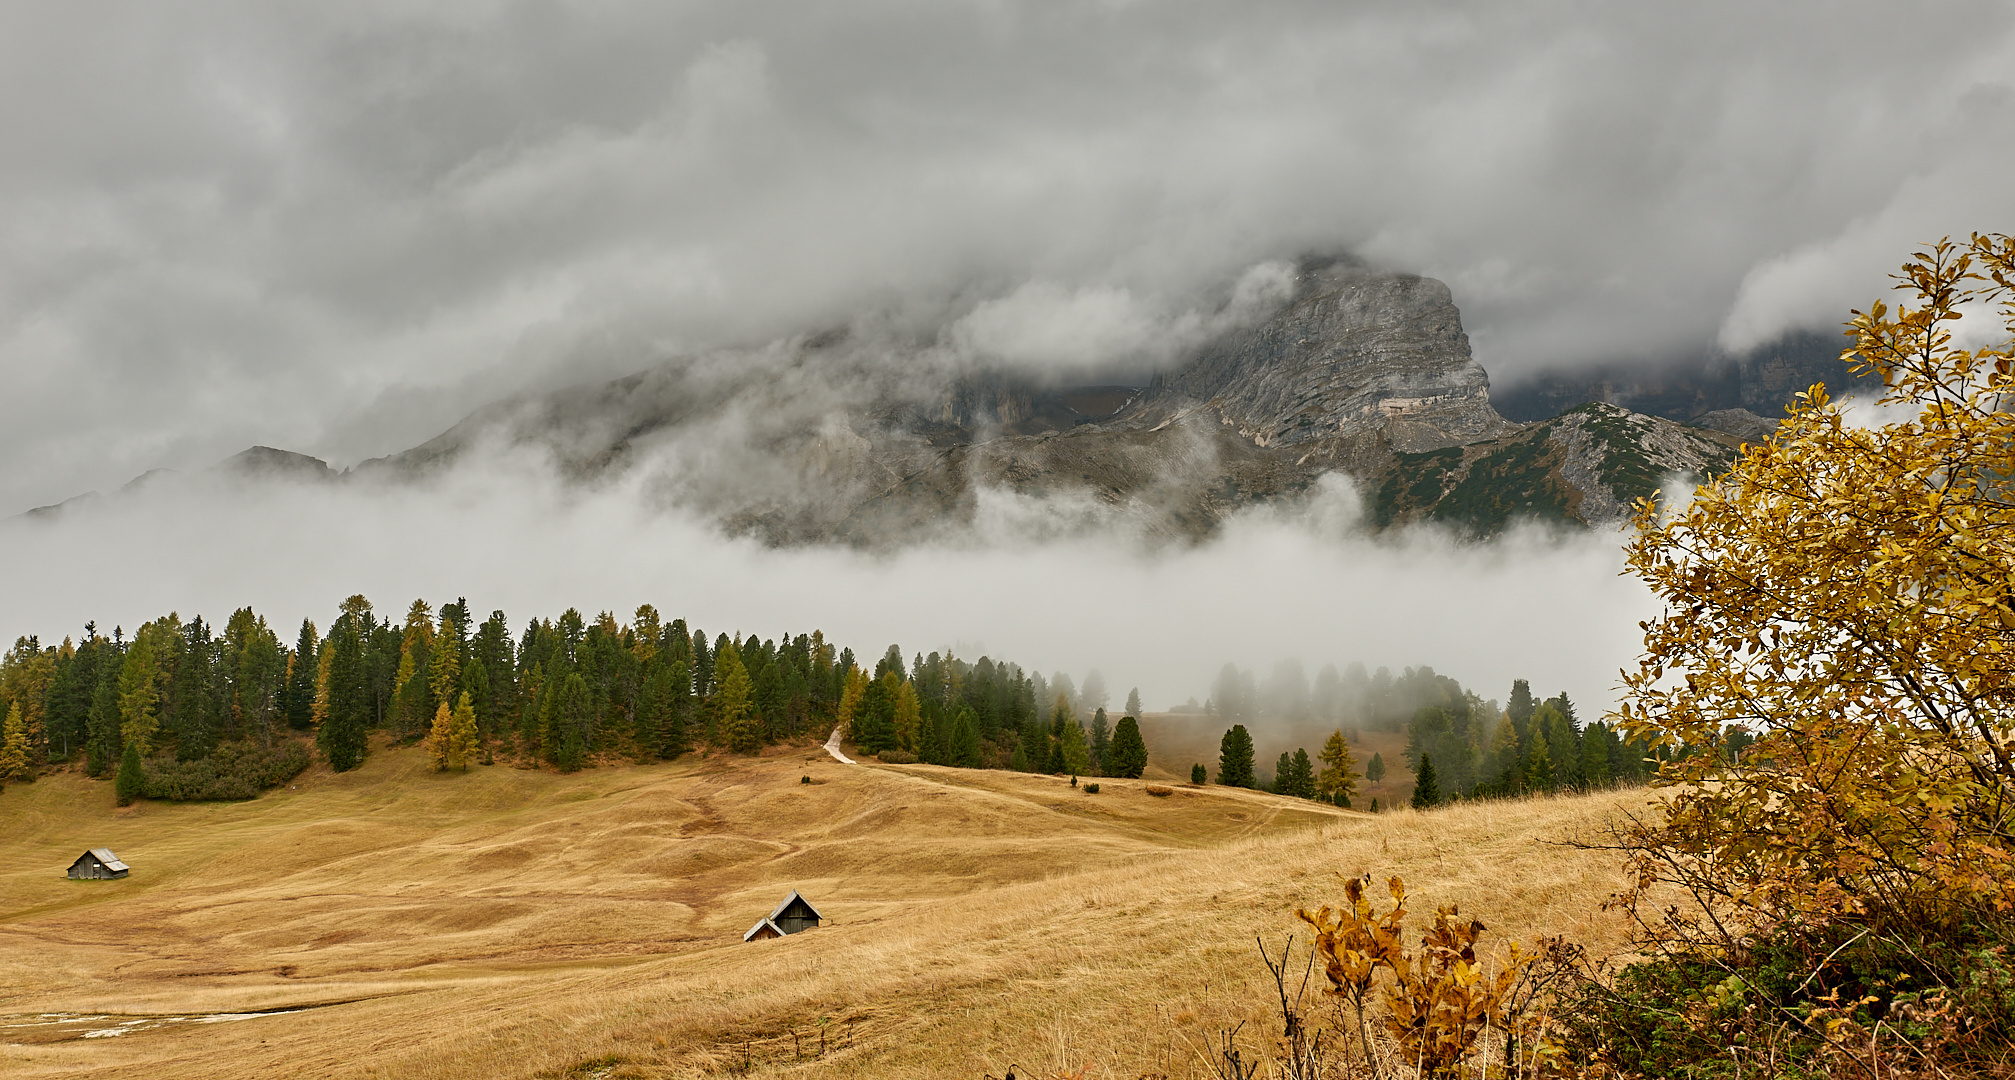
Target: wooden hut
pixel 794 916
pixel 99 863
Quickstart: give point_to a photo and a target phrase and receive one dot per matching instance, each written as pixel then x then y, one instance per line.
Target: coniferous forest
pixel 1458 745
pixel 182 710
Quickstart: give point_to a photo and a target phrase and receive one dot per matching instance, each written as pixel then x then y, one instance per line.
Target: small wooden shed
pixel 794 916
pixel 98 863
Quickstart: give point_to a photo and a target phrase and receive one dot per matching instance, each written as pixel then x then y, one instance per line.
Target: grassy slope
pixel 511 923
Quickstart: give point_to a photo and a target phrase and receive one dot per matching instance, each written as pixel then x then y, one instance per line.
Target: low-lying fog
pixel 1029 583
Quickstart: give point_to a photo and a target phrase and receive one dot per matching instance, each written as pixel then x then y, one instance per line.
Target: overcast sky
pixel 337 227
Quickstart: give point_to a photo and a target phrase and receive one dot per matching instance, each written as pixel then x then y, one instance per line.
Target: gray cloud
pixel 1051 585
pixel 336 228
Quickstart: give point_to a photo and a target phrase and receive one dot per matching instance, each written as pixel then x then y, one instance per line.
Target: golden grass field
pixel 519 923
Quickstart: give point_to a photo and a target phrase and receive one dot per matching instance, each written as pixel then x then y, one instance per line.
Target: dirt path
pixel 833 748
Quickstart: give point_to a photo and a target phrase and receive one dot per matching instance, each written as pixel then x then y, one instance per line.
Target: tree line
pixel 180 709
pixel 1458 746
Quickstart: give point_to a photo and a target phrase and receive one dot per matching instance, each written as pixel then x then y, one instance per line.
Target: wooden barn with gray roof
pixel 98 863
pixel 794 916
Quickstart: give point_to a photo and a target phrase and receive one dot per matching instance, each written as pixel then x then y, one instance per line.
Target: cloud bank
pixel 337 228
pixel 1031 584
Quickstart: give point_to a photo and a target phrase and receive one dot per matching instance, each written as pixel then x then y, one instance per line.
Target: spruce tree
pixel 572 712
pixel 676 700
pixel 965 738
pixel 132 778
pixel 1100 744
pixel 343 735
pixel 1235 765
pixel 1133 702
pixel 1426 792
pixel 1375 771
pixel 1539 765
pixel 1071 751
pixel 1302 772
pixel 1197 775
pixel 1283 774
pixel 740 727
pixel 1128 754
pixel 103 748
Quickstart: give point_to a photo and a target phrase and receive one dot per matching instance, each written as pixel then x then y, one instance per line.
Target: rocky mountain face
pixel 869 443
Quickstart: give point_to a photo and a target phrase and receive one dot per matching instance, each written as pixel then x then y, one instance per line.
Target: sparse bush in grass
pixel 1091 789
pixel 1158 791
pixel 1438 1009
pixel 896 757
pixel 235 771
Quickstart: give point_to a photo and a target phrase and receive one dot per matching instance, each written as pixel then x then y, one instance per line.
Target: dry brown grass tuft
pixel 517 923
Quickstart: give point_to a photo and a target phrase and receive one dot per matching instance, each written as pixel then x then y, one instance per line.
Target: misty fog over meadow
pixel 338 231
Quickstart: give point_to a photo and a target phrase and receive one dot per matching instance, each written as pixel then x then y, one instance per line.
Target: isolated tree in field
pixel 1133 702
pixel 1197 775
pixel 1375 771
pixel 1128 755
pixel 1337 782
pixel 1843 592
pixel 1235 764
pixel 1426 789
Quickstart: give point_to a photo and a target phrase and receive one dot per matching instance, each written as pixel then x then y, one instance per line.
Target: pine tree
pixel 437 736
pixel 1133 702
pixel 1197 775
pixel 1338 780
pixel 965 738
pixel 132 778
pixel 1539 765
pixel 1426 792
pixel 1100 745
pixel 740 727
pixel 573 710
pixel 14 760
pixel 464 736
pixel 1071 750
pixel 1283 774
pixel 1235 765
pixel 344 732
pixel 1128 755
pixel 1375 771
pixel 1302 774
pixel 299 702
pixel 676 702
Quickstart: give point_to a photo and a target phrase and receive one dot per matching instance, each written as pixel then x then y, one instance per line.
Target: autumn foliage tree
pixel 1843 592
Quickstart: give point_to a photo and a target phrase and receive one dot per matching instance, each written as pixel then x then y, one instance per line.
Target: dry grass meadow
pixel 515 923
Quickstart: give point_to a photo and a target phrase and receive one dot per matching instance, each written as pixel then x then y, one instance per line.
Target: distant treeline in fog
pixel 181 710
pixel 1458 744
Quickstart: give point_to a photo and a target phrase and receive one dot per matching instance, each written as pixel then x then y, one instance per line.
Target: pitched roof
pixel 781 908
pixel 754 930
pixel 111 861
